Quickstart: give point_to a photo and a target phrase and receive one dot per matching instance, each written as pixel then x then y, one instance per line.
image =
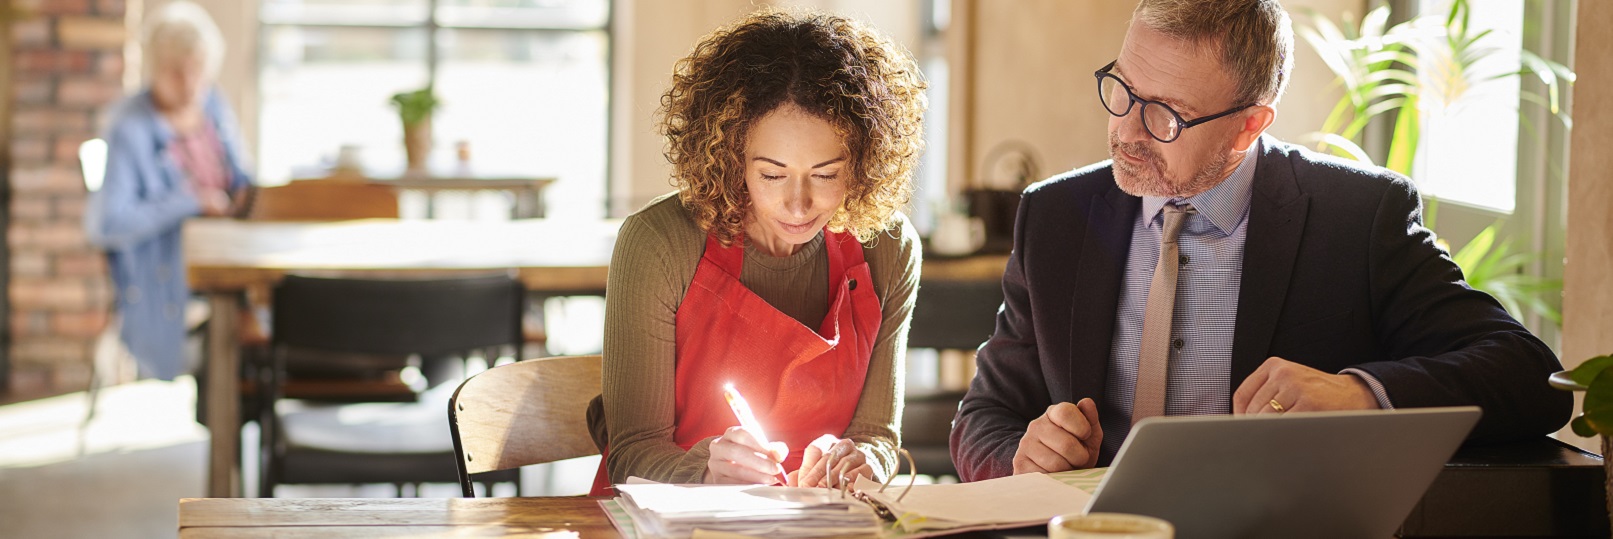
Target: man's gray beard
pixel 1141 180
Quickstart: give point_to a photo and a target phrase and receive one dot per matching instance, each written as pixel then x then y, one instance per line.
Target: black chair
pixel 949 315
pixel 323 325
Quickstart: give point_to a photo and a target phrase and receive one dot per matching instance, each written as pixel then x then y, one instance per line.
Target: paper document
pixel 1007 502
pixel 678 511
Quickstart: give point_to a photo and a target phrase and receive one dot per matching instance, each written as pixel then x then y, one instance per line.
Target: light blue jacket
pixel 137 217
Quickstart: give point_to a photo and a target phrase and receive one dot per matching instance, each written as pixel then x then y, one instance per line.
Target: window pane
pixel 345 12
pixel 529 102
pixel 1468 150
pixel 324 87
pixel 555 14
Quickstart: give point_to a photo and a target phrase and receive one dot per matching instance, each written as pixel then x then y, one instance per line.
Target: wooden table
pixel 226 257
pixel 215 518
pixel 526 191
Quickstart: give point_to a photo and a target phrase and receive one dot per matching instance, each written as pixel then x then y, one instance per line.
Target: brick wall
pixel 66 72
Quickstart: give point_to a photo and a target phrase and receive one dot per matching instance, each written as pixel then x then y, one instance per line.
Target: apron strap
pixel 730 259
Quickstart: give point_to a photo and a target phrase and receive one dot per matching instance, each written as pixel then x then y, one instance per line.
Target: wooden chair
pixel 325 200
pixel 523 413
pixel 369 325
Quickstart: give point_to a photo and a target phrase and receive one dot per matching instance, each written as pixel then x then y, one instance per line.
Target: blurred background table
pixel 525 192
pixel 225 258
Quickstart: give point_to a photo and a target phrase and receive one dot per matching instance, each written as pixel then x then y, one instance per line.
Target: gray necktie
pixel 1153 359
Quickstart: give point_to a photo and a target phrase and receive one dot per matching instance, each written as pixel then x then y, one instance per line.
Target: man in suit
pixel 1208 269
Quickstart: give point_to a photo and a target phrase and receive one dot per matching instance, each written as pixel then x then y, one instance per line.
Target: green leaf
pixel 1335 118
pixel 1582 427
pixel 1490 264
pixel 1403 145
pixel 1470 255
pixel 1348 147
pixel 1392 56
pixel 414 107
pixel 1587 371
pixel 1599 403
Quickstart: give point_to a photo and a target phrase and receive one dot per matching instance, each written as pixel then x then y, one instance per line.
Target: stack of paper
pixel 677 511
pixel 1006 502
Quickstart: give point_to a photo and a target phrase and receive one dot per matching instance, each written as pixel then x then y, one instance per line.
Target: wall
pixel 1587 282
pixel 67 64
pixel 1028 77
pixel 647 37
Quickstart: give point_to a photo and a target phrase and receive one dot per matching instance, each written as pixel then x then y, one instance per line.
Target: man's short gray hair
pixel 1254 37
pixel 182 28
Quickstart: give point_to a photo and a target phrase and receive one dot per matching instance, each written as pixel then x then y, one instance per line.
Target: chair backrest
pixel 955 315
pixel 325 200
pixel 398 316
pixel 92 162
pixel 523 413
pixel 949 315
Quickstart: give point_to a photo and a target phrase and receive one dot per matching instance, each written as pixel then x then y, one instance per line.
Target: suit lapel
pixel 1098 279
pixel 1277 211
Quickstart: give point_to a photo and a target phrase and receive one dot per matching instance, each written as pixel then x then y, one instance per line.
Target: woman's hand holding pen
pixel 831 462
pixel 738 458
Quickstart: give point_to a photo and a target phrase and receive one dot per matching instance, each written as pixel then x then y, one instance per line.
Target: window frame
pixel 433 27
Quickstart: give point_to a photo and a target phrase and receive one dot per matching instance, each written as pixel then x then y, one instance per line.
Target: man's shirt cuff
pixel 1376 386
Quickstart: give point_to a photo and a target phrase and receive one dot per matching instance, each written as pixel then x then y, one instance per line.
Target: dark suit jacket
pixel 1338 272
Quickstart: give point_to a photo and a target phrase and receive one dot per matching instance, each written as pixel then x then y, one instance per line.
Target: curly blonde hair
pixel 835 68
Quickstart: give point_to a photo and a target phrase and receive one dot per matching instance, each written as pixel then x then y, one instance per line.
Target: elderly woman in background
pixel 173 153
pixel 781 264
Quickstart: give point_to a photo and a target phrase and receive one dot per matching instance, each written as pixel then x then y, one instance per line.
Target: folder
pixel 870 509
pixel 1007 502
pixel 658 510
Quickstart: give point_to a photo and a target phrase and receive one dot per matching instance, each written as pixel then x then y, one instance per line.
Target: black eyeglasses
pixel 1161 122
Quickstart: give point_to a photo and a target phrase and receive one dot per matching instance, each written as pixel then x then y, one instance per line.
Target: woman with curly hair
pixel 781 265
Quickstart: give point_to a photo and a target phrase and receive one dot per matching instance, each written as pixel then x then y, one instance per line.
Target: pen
pixel 747 419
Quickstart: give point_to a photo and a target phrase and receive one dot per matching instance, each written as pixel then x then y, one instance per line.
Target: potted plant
pixel 415 109
pixel 1595 378
pixel 1430 62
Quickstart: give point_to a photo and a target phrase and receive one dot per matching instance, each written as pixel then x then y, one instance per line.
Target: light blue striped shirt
pixel 1211 248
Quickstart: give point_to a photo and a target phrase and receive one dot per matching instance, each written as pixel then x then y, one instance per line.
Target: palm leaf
pixel 1403 144
pixel 1470 255
pixel 1343 147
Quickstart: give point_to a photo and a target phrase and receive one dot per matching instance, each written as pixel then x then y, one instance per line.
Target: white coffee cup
pixel 957 234
pixel 350 157
pixel 1108 526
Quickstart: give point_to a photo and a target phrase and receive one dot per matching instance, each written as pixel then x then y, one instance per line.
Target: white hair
pixel 181 28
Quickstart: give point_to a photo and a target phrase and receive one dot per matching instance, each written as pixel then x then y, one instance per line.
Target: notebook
pixel 870 509
pixel 1327 474
pixel 677 511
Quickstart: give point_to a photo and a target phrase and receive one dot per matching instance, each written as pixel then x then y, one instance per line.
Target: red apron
pixel 801 383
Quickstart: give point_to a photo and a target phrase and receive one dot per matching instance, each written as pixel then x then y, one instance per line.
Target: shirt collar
pixel 1225 205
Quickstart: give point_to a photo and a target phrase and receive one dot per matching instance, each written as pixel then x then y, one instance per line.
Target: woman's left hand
pixel 832 462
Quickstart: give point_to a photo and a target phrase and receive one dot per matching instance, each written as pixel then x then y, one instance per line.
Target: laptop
pixel 1324 474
